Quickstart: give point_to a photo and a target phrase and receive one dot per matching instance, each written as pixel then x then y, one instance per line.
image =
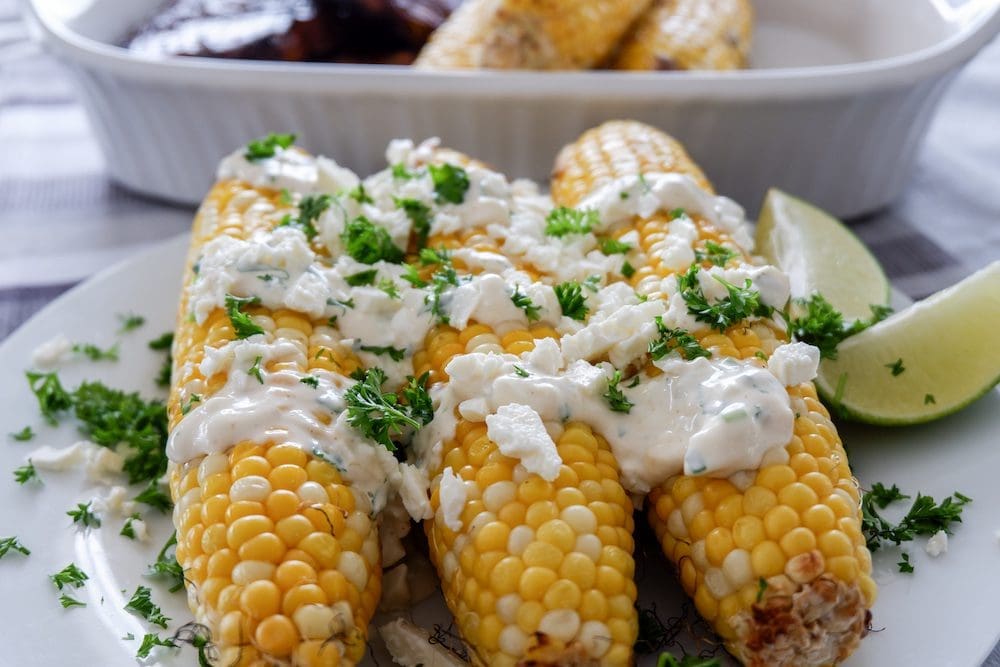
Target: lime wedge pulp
pixel 820 254
pixel 926 362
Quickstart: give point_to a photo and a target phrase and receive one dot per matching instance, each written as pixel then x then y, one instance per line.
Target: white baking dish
pixel 835 110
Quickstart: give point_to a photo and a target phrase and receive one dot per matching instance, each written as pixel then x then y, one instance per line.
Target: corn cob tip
pixel 819 623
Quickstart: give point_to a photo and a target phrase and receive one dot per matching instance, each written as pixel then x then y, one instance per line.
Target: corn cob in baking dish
pixel 516 371
pixel 621 34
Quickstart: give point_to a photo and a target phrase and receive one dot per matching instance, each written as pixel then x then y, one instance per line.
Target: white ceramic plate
pixel 947 613
pixel 852 84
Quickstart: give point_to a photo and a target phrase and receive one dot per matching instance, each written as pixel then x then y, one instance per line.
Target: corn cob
pixel 540 572
pixel 688 35
pixel 774 559
pixel 529 34
pixel 280 558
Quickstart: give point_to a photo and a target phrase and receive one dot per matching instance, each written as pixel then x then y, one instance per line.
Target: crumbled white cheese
pixel 115 501
pixel 623 335
pixel 452 494
pixel 140 529
pixel 52 351
pixel 99 463
pixel 794 363
pixel 520 433
pixel 937 544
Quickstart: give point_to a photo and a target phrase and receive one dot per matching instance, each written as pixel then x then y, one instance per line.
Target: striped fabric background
pixel 62 219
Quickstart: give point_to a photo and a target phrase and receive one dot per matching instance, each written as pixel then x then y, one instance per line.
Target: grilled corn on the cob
pixel 529 34
pixel 280 556
pixel 687 35
pixel 774 558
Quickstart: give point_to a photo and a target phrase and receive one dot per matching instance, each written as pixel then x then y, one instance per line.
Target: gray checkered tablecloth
pixel 62 219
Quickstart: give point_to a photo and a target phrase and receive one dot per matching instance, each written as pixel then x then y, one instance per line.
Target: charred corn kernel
pixel 794 521
pixel 250 553
pixel 525 34
pixel 687 35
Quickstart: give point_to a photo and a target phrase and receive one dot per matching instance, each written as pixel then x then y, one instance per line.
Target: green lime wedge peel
pixel 820 254
pixel 929 361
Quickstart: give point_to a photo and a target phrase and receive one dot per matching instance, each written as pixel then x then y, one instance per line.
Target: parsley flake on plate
pixel 924 518
pixel 84 517
pixel 154 496
pixel 130 322
pixel 24 435
pixel 69 577
pixel 26 473
pixel 143 605
pixel 151 641
pixel 8 544
pixel 167 567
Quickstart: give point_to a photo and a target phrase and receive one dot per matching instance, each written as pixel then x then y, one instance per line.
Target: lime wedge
pixel 926 362
pixel 820 254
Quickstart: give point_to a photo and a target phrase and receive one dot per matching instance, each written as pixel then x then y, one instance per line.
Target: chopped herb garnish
pixel 26 473
pixel 627 269
pixel 615 397
pixel 430 256
pixel 199 637
pixel 441 280
pixel 925 517
pixel 614 247
pixel 285 197
pixel 342 304
pixel 186 407
pixel 142 604
pixel 896 367
pixel 675 339
pixel 761 587
pixel 8 544
pixel 368 243
pixel 167 566
pixel 401 173
pixel 563 221
pixel 717 254
pixel 68 601
pixel 265 147
pixel 571 300
pixel 128 530
pixel 524 302
pixel 310 208
pixel 592 283
pixel 361 278
pixel 390 288
pixel 310 380
pixel 412 276
pixel 904 563
pixel 418 398
pixel 243 325
pixel 823 325
pixel 741 302
pixel 164 342
pixel 69 576
pixel 153 496
pixel 151 641
pixel 255 370
pixel 84 517
pixel 95 353
pixel 130 321
pixel 394 353
pixel 678 213
pixel 450 182
pixel 668 660
pixel 520 372
pixel 376 414
pixel 929 399
pixel 24 435
pixel 359 195
pixel 419 214
pixel 52 398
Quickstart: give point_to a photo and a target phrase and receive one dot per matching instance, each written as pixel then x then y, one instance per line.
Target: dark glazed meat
pixel 370 31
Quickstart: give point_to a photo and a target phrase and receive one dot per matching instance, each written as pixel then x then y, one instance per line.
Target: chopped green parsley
pixel 154 496
pixel 151 641
pixel 167 567
pixel 128 530
pixel 24 435
pixel 369 243
pixel 823 326
pixel 310 209
pixel 614 247
pixel 142 604
pixel 741 302
pixel 266 147
pixel 361 278
pixel 378 415
pixel 450 182
pixel 675 339
pixel 571 300
pixel 255 370
pixel 8 544
pixel 563 221
pixel 394 353
pixel 615 397
pixel 719 255
pixel 524 302
pixel 896 367
pixel 925 517
pixel 69 577
pixel 419 214
pixel 26 473
pixel 310 380
pixel 243 325
pixel 84 517
pixel 130 321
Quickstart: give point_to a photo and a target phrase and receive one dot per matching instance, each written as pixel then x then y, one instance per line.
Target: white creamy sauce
pixel 101 464
pixel 704 417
